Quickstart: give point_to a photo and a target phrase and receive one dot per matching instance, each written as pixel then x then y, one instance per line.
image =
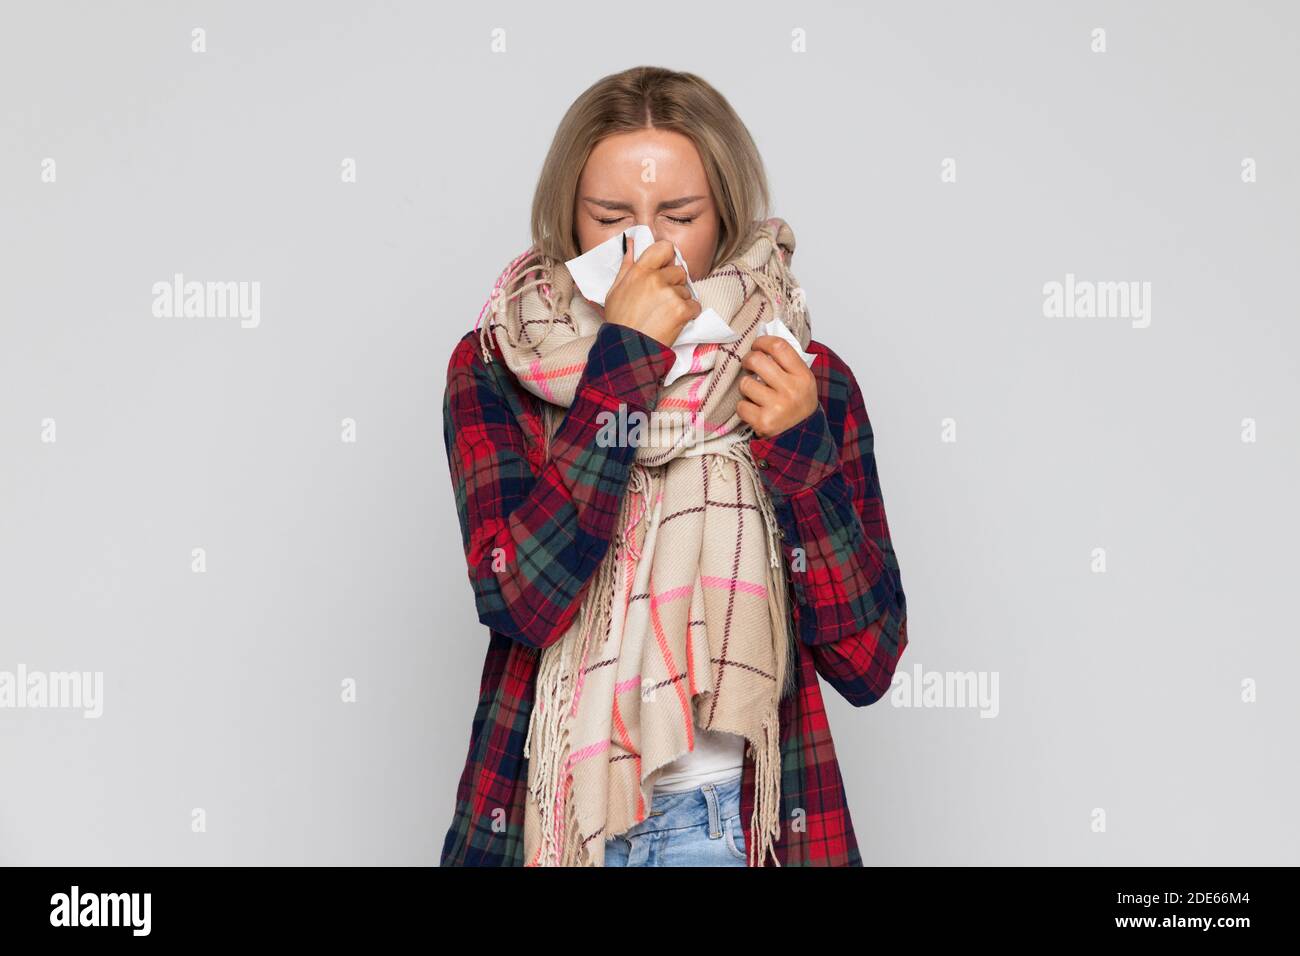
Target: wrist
pixel 627 365
pixel 798 458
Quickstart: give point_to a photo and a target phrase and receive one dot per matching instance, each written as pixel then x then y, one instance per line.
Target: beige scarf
pixel 684 625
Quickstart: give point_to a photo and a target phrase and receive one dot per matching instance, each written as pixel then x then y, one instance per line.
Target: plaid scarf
pixel 685 622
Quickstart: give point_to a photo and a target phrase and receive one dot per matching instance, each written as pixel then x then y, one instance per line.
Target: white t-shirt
pixel 717 757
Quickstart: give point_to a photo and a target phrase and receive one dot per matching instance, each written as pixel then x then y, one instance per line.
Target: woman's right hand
pixel 650 294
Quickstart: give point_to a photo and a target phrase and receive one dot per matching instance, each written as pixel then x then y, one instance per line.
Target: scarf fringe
pixel 561 842
pixel 530 262
pixel 558 675
pixel 765 823
pixel 781 289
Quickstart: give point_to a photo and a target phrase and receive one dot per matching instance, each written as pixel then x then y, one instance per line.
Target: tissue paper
pixel 778 328
pixel 596 269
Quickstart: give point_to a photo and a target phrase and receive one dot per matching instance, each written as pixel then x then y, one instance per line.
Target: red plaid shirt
pixel 535 533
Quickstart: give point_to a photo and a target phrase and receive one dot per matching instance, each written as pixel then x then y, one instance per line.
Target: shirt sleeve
pixel 849 605
pixel 534 537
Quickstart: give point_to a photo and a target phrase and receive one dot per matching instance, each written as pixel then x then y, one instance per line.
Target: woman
pixel 633 534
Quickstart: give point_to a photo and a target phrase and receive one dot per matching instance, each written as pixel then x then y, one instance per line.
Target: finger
pixel 781 351
pixel 760 363
pixel 748 412
pixel 759 393
pixel 673 275
pixel 659 254
pixel 627 262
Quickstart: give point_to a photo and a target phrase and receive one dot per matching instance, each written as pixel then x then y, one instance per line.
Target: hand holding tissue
pixel 778 328
pixel 596 269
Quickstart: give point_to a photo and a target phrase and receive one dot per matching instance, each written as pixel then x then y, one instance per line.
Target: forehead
pixel 624 160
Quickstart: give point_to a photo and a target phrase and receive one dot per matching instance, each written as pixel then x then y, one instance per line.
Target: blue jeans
pixel 699 827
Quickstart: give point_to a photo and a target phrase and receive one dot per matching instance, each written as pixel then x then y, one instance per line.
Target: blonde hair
pixel 652 97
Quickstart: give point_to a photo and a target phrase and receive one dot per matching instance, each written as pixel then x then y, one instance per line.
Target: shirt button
pixel 780 532
pixel 762 463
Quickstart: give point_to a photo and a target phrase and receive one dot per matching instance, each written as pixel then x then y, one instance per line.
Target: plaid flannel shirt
pixel 534 535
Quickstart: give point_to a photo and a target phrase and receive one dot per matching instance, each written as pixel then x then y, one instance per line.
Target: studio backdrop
pixel 1056 243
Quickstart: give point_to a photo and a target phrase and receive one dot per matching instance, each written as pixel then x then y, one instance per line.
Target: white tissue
pixel 778 328
pixel 596 269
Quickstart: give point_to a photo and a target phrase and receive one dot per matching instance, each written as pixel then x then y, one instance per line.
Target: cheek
pixel 698 249
pixel 589 235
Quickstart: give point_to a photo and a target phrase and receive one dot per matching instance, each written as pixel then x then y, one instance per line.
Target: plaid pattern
pixel 553 524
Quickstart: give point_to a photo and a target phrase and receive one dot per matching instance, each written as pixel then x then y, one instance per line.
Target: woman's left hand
pixel 786 395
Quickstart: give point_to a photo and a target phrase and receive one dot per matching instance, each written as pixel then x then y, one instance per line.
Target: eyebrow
pixel 627 207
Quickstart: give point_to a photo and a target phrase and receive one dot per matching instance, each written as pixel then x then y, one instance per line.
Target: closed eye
pixel 684 222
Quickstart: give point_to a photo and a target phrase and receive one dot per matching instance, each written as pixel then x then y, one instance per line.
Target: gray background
pixel 329 560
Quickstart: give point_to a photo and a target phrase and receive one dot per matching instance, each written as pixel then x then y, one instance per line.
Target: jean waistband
pixel 708 803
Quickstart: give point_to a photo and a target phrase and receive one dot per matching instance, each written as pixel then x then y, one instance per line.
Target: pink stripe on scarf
pixel 672 594
pixel 697 357
pixel 732 584
pixel 536 374
pixel 586 753
pixel 670 665
pixel 628 684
